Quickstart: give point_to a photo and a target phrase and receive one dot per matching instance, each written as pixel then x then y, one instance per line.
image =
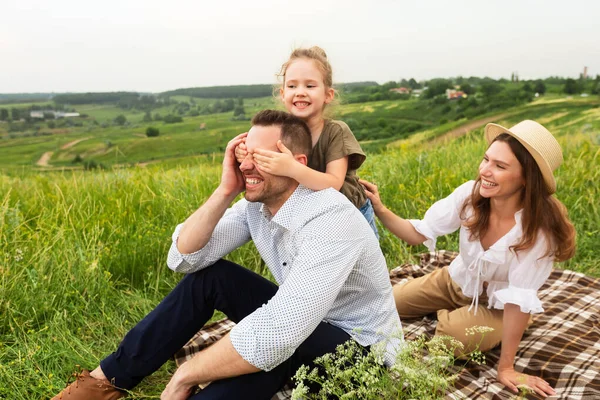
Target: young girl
pixel 511 231
pixel 336 155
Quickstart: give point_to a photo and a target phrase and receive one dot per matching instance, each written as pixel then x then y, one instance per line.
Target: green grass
pixel 83 254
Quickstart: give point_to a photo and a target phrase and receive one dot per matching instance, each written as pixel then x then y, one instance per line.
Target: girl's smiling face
pixel 304 93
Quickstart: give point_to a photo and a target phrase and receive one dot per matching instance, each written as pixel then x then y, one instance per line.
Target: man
pixel 333 284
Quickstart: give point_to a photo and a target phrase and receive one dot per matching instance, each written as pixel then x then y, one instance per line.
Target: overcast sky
pixel 150 45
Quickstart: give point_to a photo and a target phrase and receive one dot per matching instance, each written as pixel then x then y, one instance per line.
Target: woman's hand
pixel 513 379
pixel 373 194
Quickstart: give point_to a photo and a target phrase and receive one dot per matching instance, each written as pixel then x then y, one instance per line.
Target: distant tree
pixel 240 101
pixel 539 87
pixel 413 84
pixel 172 119
pixel 217 106
pixel 120 119
pixel 228 105
pixel 15 114
pixel 571 86
pixel 490 88
pixel 51 124
pixel 147 117
pixel 77 159
pixel 238 110
pixel 152 131
pixel 436 87
pixel 3 114
pixel 596 86
pixel 388 85
pixel 158 117
pixel 527 87
pixel 467 88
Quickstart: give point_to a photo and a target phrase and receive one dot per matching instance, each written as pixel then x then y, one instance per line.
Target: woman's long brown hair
pixel 541 211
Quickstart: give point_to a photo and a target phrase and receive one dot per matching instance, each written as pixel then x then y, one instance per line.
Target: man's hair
pixel 295 134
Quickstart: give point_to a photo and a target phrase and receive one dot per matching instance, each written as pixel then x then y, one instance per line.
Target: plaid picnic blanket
pixel 562 345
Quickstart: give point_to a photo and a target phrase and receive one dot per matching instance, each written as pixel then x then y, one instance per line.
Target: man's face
pixel 272 190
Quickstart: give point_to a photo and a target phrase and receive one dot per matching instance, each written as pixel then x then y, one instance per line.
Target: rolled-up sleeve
pixel 272 333
pixel 528 271
pixel 443 217
pixel 230 233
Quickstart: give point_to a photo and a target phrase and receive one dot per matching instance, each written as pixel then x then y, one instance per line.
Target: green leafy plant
pixel 424 369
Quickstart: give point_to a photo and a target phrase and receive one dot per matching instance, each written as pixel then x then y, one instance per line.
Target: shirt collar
pixel 285 216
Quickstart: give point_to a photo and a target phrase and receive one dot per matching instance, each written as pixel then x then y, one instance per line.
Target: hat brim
pixel 493 130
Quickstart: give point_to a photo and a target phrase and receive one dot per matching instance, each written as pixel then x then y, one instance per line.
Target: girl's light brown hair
pixel 316 54
pixel 541 211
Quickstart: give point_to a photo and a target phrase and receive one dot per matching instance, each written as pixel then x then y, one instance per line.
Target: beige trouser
pixel 438 292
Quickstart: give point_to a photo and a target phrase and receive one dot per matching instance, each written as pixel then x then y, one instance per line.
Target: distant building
pixel 453 94
pixel 400 90
pixel 585 74
pixel 418 92
pixel 65 114
pixel 55 114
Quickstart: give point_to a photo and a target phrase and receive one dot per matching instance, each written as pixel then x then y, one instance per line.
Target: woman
pixel 511 231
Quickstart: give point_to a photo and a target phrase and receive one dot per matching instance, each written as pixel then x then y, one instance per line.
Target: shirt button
pixel 284 264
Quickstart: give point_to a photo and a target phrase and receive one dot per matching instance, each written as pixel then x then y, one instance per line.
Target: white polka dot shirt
pixel 329 267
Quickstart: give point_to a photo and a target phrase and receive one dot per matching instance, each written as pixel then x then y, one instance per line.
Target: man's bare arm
pixel 218 361
pixel 198 228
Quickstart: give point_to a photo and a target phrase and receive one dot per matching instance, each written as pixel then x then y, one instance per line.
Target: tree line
pixel 223 92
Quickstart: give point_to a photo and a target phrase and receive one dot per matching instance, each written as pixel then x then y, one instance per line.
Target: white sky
pixel 150 45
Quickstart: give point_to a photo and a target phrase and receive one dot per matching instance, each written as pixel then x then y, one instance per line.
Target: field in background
pixel 83 254
pixel 96 140
pixel 104 143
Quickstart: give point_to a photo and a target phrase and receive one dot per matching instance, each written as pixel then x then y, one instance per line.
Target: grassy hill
pixel 83 254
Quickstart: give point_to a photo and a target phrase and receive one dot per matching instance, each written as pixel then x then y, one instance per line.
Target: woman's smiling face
pixel 500 172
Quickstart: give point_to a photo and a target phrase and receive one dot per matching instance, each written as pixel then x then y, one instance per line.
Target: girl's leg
pixel 369 214
pixel 459 323
pixel 428 294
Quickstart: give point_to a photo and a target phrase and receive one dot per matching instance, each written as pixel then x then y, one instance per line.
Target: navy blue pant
pixel 226 287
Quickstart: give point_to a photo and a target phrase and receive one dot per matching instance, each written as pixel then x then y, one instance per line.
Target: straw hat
pixel 538 141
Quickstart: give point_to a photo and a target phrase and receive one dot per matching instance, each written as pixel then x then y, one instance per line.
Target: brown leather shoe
pixel 86 387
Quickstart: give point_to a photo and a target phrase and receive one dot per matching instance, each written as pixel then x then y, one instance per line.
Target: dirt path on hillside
pixel 73 143
pixel 463 129
pixel 43 161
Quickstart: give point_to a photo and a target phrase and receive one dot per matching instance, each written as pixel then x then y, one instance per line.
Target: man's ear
pixel 301 158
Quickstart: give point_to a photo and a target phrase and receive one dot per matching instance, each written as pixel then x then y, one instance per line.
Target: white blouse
pixel 513 279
